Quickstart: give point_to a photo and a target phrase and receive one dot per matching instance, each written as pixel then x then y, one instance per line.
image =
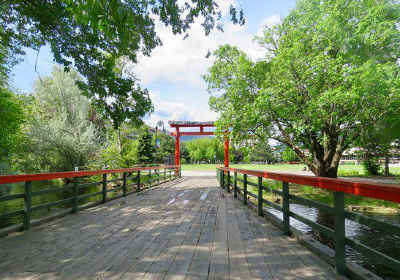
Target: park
pixel 219 139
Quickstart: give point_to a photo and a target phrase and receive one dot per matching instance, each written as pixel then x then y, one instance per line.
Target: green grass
pixel 278 167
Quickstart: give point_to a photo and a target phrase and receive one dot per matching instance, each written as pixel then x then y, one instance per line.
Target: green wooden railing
pixel 339 187
pixel 128 180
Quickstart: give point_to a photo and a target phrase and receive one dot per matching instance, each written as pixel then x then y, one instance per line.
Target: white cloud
pixel 184 61
pixel 165 111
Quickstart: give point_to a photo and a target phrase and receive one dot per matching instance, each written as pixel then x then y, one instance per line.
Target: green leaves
pixel 327 75
pixel 91 35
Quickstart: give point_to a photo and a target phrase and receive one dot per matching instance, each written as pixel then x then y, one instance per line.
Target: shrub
pixel 371 166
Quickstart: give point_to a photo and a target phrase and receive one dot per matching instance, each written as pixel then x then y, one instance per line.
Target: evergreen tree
pixel 146 147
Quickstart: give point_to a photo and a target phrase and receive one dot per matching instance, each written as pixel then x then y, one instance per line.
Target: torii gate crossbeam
pixel 178 133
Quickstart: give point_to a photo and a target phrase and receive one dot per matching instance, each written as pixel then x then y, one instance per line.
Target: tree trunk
pixel 387 164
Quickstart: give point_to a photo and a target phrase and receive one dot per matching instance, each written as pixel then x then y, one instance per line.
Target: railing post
pixel 339 225
pixel 27 205
pixel 150 179
pixel 286 208
pixel 170 175
pixel 245 189
pixel 104 188
pixel 260 197
pixel 228 185
pixel 235 184
pixel 75 198
pixel 180 171
pixel 124 184
pixel 223 178
pixel 138 182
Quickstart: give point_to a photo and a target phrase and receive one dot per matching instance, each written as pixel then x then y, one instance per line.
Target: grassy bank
pixel 280 167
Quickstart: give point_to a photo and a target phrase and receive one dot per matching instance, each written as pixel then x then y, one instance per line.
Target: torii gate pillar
pixel 177 152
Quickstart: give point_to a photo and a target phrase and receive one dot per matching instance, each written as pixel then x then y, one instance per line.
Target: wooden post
pixel 223 178
pixel 228 185
pixel 150 178
pixel 75 198
pixel 27 206
pixel 286 208
pixel 138 181
pixel 339 226
pixel 260 197
pixel 235 185
pixel 124 184
pixel 165 175
pixel 245 189
pixel 104 188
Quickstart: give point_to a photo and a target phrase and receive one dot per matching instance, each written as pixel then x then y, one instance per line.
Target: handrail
pixel 140 179
pixel 339 187
pixel 7 179
pixel 369 189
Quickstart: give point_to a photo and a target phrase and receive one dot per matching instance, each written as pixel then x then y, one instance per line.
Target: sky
pixel 172 73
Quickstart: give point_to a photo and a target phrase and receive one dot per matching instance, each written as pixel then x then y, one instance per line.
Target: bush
pixel 347 173
pixel 371 166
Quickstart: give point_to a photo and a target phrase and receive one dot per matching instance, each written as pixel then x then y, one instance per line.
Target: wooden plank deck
pixel 185 229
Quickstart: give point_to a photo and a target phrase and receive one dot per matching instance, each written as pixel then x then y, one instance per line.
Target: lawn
pixel 277 167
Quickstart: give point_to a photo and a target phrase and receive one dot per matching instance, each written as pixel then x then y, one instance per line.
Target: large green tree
pixel 329 72
pixel 60 132
pixel 92 35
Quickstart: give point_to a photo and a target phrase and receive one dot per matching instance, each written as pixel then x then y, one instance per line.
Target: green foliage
pixel 167 146
pixel 11 118
pixel 347 173
pixel 146 147
pixel 371 165
pixel 93 35
pixel 205 149
pixel 288 155
pixel 261 151
pixel 60 133
pixel 329 72
pixel 121 150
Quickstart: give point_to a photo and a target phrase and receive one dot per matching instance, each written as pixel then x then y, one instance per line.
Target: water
pixel 387 244
pixel 17 204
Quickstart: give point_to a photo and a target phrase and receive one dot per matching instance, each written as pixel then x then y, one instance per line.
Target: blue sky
pixel 173 72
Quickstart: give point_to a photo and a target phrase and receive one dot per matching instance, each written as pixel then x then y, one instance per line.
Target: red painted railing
pixel 6 179
pixel 389 192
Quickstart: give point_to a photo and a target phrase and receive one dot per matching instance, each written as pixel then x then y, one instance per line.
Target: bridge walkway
pixel 189 228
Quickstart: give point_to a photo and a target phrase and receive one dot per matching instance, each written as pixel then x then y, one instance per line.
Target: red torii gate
pixel 181 124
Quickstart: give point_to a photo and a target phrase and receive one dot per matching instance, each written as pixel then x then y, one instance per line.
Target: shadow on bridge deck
pixel 186 229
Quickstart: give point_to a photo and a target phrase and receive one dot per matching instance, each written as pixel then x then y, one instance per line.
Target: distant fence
pixel 339 187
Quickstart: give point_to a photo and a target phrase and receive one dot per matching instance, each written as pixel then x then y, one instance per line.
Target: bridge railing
pixel 339 187
pixel 126 181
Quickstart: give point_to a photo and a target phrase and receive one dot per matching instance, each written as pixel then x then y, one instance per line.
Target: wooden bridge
pixel 174 228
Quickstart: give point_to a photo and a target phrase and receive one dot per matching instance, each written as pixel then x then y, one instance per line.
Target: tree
pixel 11 118
pixel 93 35
pixel 329 72
pixel 146 147
pixel 289 155
pixel 261 151
pixel 121 149
pixel 167 146
pixel 60 132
